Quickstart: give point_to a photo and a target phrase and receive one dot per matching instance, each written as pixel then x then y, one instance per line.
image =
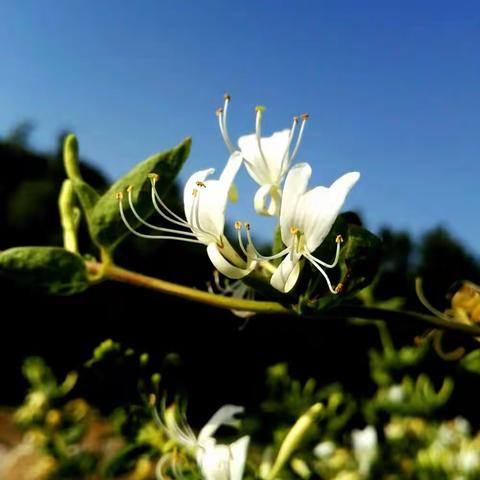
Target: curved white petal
pixel 214 461
pixel 190 186
pixel 270 192
pixel 270 168
pixel 238 457
pixel 231 168
pixel 286 275
pixel 320 207
pixel 295 186
pixel 205 204
pixel 254 163
pixel 274 149
pixel 224 266
pixel 209 214
pixel 223 416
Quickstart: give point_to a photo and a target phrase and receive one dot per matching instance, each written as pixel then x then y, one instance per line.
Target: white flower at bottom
pixel 216 461
pixel 205 202
pixel 365 448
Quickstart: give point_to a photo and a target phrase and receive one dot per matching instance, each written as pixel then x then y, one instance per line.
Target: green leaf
pixel 50 269
pixel 106 226
pixel 360 258
pixel 359 261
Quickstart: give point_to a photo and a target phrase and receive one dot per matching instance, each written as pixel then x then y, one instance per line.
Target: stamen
pixel 286 156
pixel 258 255
pixel 322 271
pixel 200 184
pixel 222 123
pixel 339 241
pixel 144 222
pixel 238 228
pixel 195 217
pixel 173 218
pixel 119 196
pixel 155 237
pixel 340 287
pixel 258 132
pixel 304 117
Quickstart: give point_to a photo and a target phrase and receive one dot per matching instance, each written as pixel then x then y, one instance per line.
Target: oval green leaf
pixel 49 269
pixel 106 226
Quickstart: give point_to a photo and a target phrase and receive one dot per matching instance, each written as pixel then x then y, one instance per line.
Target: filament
pixel 154 237
pixel 299 138
pixel 286 155
pixel 223 125
pixel 322 271
pixel 322 263
pixel 154 227
pixel 258 255
pixel 177 220
pixel 258 135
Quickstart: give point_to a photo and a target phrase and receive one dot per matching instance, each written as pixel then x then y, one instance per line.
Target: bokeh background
pixel 392 90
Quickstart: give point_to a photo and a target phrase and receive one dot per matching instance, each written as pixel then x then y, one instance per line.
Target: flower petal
pixel 286 275
pixel 214 461
pixel 224 266
pixel 274 149
pixel 223 416
pixel 320 207
pixel 260 200
pixel 295 186
pixel 238 457
pixel 254 163
pixel 205 204
pixel 190 186
pixel 268 169
pixel 231 168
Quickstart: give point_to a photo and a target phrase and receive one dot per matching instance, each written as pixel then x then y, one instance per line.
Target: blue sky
pixel 392 89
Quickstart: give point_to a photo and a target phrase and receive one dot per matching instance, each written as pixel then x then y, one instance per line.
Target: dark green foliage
pixel 50 269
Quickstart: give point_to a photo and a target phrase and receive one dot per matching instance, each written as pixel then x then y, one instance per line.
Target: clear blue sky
pixel 392 87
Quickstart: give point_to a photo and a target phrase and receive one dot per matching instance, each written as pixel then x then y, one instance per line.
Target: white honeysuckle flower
pixel 216 461
pixel 205 202
pixel 306 218
pixel 267 159
pixel 365 448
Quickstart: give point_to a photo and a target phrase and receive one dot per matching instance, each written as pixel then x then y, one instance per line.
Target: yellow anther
pixel 339 239
pixel 294 230
pixel 339 288
pixel 238 225
pixel 130 189
pixel 247 226
pixel 152 400
pixel 218 111
pixel 200 184
pixel 227 97
pixel 304 116
pixel 260 108
pixel 194 192
pixel 154 177
pixel 295 119
pixel 119 196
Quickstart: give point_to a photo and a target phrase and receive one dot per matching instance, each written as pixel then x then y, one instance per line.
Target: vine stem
pixel 122 275
pixel 118 274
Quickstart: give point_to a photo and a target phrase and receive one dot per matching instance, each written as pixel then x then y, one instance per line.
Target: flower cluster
pixel 306 216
